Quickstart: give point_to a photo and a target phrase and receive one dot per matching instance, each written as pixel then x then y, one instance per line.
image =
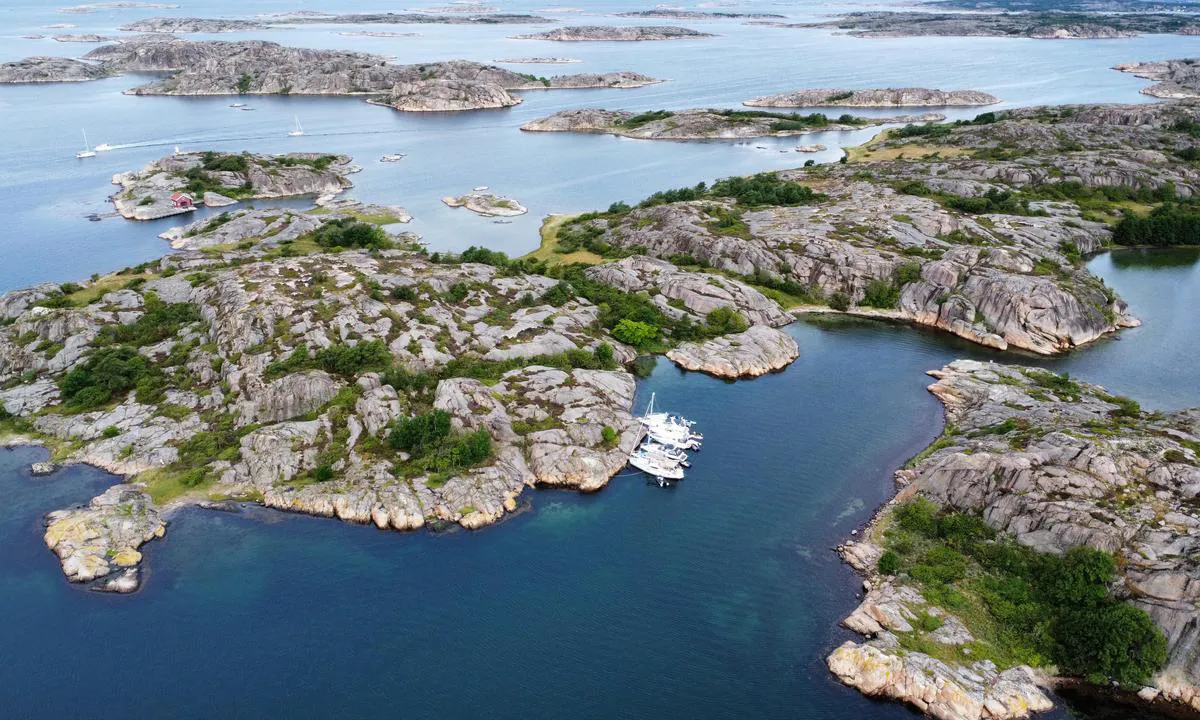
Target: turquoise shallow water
pixel 718 598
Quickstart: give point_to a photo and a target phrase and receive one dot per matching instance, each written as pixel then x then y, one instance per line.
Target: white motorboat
pixel 667 452
pixel 394 157
pixel 298 131
pixel 654 465
pixel 670 429
pixel 237 105
pixel 480 188
pixel 103 147
pixel 87 151
pixel 662 437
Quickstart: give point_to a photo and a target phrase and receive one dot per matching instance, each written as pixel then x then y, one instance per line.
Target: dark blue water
pixel 718 598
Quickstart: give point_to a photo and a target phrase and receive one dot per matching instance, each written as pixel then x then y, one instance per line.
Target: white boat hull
pixel 650 466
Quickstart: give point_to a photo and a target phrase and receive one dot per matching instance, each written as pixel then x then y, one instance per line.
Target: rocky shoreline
pixel 888 97
pixel 487 204
pixel 1173 79
pixel 704 124
pixel 1055 464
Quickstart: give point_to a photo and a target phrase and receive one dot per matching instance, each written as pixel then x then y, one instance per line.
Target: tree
pixel 1116 641
pixel 421 433
pixel 634 332
pixel 725 320
pixel 243 83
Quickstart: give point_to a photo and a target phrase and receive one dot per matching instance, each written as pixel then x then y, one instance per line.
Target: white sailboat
pixel 670 429
pixel 654 465
pixel 87 151
pixel 298 131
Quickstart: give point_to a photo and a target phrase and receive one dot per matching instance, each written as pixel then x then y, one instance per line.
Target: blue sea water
pixel 719 598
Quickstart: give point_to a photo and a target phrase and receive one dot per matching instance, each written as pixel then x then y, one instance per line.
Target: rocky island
pixel 43 69
pixel 1035 475
pixel 176 184
pixel 255 67
pixel 216 25
pixel 1173 79
pixel 314 363
pixel 487 204
pixel 887 97
pixel 1035 25
pixel 636 33
pixel 704 124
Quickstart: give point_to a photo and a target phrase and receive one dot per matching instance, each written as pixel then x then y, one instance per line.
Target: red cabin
pixel 182 200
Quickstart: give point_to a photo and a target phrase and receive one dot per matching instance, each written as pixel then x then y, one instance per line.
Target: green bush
pixel 111 431
pixel 1168 225
pixel 839 301
pixel 346 360
pixel 889 563
pixel 350 233
pixel 158 322
pixel 635 333
pixel 725 320
pixel 418 434
pixel 106 374
pixel 609 434
pixel 322 473
pixel 881 294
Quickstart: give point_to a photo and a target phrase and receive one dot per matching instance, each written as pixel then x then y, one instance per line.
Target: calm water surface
pixel 718 598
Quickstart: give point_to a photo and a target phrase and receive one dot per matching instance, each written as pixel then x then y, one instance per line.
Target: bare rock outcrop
pixel 757 351
pixel 103 537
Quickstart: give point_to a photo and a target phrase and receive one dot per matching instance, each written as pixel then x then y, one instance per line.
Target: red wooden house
pixel 182 200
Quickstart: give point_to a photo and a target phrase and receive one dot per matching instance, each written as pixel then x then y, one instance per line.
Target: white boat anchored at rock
pixel 662 453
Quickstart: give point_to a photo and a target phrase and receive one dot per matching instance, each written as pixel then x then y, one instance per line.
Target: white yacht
pixel 87 151
pixel 298 131
pixel 667 452
pixel 655 465
pixel 394 157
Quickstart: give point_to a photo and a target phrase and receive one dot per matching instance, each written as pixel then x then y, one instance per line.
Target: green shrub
pixel 158 322
pixel 839 301
pixel 106 374
pixel 350 233
pixel 111 431
pixel 725 320
pixel 420 433
pixel 889 563
pixel 635 333
pixel 322 473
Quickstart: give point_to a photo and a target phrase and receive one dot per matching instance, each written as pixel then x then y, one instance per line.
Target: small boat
pixel 655 466
pixel 178 151
pixel 502 222
pixel 298 131
pixel 481 188
pixel 103 147
pixel 87 151
pixel 237 105
pixel 394 157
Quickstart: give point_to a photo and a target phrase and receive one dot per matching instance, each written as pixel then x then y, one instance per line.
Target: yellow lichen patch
pixel 73 529
pixel 127 557
pixel 877 149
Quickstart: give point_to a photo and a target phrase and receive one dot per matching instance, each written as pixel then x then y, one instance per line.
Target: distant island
pixel 675 14
pixel 1036 25
pixel 637 33
pixel 887 97
pixel 256 67
pixel 215 25
pixel 705 124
